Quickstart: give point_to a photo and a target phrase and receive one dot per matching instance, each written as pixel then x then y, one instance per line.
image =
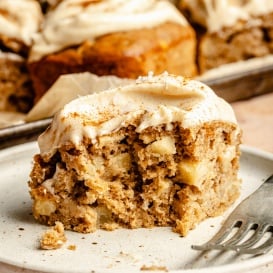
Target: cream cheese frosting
pixel 155 100
pixel 216 14
pixel 20 19
pixel 75 21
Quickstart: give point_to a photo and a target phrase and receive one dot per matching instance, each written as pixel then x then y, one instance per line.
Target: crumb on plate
pixel 54 237
pixel 154 268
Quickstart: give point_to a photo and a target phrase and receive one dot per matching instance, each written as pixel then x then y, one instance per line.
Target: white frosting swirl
pixel 20 19
pixel 75 21
pixel 162 99
pixel 216 14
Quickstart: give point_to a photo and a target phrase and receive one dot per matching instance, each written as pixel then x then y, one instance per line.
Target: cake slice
pixel 162 151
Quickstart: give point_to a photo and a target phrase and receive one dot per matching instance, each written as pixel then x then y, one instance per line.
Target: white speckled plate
pixel 120 250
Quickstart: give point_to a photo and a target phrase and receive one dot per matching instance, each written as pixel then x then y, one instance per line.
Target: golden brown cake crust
pixel 167 47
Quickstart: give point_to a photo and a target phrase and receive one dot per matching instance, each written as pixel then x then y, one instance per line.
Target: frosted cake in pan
pixel 234 30
pixel 122 38
pixel 19 21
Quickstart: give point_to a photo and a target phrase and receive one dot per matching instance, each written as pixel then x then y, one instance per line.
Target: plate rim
pixel 237 266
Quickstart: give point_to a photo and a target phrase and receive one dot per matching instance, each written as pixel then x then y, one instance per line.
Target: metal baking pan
pixel 22 133
pixel 234 82
pixel 242 81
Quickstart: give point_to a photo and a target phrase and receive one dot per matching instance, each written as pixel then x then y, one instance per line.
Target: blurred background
pixel 227 44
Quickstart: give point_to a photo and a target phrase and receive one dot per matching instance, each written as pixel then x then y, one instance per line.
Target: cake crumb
pixel 54 237
pixel 71 247
pixel 154 268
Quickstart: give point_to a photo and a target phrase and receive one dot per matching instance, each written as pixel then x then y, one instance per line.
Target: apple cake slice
pixel 162 151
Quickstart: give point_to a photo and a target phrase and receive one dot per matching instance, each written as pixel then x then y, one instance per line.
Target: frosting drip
pixel 75 21
pixel 156 100
pixel 20 19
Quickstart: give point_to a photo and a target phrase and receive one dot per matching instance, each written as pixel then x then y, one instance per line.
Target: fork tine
pixel 219 237
pixel 255 238
pixel 240 234
pixel 263 249
pixel 248 215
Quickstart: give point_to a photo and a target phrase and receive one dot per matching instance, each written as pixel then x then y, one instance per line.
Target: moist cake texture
pixel 163 151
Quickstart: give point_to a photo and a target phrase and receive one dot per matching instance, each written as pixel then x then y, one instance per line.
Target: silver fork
pixel 249 228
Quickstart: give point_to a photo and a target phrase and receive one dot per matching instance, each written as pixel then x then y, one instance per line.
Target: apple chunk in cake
pixel 158 165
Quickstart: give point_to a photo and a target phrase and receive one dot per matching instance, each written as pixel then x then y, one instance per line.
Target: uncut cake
pixel 162 151
pixel 19 21
pixel 109 37
pixel 234 30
